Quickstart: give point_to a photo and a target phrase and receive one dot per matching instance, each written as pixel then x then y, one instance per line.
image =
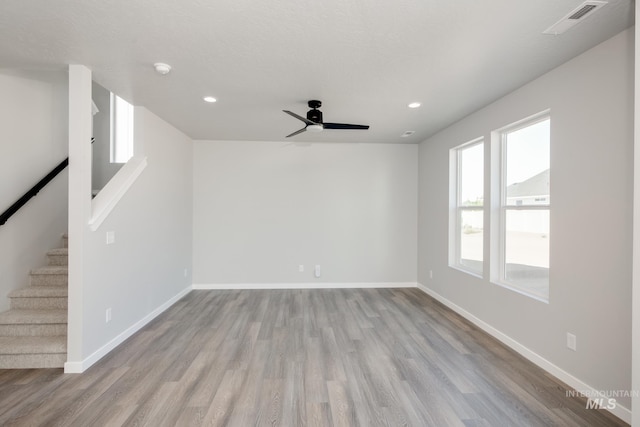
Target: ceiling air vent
pixel 574 17
pixel 583 11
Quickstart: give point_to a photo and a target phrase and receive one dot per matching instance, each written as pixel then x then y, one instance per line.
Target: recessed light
pixel 162 68
pixel 408 133
pixel 414 105
pixel 209 99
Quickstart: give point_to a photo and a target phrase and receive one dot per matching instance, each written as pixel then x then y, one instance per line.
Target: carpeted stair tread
pixel 33 333
pixel 39 292
pixel 52 269
pixel 33 345
pixel 58 251
pixel 25 317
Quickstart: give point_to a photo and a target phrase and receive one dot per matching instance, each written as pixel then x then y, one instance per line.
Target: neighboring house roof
pixel 537 185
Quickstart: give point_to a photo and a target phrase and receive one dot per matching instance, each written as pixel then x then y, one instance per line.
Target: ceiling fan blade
pixel 343 126
pixel 297 132
pixel 307 121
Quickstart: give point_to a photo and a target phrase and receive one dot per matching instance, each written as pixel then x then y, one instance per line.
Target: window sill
pixel 521 291
pixel 462 269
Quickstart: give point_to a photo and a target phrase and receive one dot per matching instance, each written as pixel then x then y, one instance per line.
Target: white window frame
pixel 499 207
pixel 122 143
pixel 455 211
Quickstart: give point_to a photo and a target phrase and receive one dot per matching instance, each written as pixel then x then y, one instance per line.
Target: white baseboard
pixel 307 285
pixel 619 411
pixel 79 367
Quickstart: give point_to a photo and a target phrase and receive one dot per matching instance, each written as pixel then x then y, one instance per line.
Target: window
pixel 467 200
pixel 121 130
pixel 524 195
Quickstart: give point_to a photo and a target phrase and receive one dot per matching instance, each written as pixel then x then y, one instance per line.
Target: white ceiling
pixel 364 59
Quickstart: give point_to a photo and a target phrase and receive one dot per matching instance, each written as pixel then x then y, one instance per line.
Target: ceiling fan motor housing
pixel 314 115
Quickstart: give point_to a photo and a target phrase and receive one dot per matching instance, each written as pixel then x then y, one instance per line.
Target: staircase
pixel 33 333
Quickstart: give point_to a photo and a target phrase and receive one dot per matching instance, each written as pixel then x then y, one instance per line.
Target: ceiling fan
pixel 314 121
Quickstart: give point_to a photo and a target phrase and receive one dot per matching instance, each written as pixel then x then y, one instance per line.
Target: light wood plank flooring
pixel 357 357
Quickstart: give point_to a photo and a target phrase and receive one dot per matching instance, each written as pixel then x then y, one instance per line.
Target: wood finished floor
pixel 357 357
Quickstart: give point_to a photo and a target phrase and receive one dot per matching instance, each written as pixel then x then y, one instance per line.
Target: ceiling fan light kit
pixel 315 123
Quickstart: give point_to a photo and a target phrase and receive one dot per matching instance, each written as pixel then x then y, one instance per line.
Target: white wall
pixel 261 209
pixel 591 102
pixel 142 272
pixel 33 140
pixel 635 365
pixel 145 266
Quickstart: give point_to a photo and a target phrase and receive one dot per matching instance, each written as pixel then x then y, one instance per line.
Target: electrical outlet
pixel 571 341
pixel 430 274
pixel 108 315
pixel 301 268
pixel 111 237
pixel 317 271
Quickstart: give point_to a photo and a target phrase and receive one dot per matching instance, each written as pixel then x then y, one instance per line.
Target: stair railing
pixel 34 190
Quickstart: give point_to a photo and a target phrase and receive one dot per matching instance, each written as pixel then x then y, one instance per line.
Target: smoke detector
pixel 162 68
pixel 574 17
